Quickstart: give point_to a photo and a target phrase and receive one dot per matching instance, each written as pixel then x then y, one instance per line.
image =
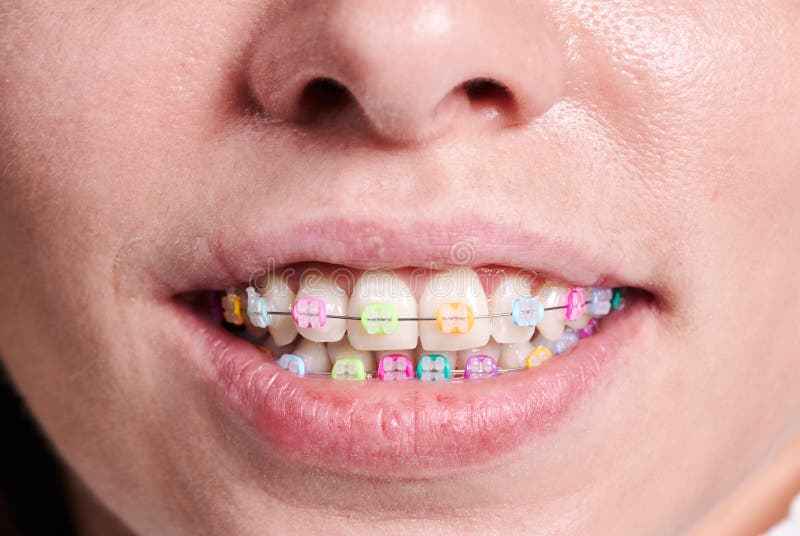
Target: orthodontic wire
pixel 427 318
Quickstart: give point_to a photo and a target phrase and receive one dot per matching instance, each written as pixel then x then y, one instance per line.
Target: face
pixel 153 151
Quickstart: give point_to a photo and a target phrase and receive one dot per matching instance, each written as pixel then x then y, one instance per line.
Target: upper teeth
pixel 319 301
pixel 232 307
pixel 554 320
pixel 456 299
pixel 455 329
pixel 257 309
pixel 279 297
pixel 378 299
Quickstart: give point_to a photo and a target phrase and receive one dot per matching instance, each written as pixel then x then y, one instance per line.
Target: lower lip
pixel 407 429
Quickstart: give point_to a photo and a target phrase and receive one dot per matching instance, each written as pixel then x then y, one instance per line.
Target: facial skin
pixel 667 132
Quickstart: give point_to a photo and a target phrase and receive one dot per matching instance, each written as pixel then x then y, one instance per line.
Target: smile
pixel 408 372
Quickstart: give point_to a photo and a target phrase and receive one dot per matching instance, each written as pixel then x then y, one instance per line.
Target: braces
pixel 526 312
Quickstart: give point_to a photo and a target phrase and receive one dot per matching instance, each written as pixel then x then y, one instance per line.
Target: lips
pixel 405 429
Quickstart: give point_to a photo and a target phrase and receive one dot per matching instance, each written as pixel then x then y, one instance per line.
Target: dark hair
pixel 32 499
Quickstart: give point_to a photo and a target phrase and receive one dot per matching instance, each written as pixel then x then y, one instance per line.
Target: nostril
pixel 323 98
pixel 487 94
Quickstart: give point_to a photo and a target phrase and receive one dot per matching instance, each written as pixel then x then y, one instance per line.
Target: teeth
pixel 232 307
pixel 314 355
pixel 257 311
pixel 342 349
pixel 279 297
pixel 480 366
pixel 493 349
pixel 349 370
pixel 553 323
pixel 433 367
pixel 539 355
pixel 589 329
pixel 451 357
pixel 257 318
pixel 292 363
pixel 395 367
pixel 514 355
pixel 379 298
pixel 564 343
pixel 513 289
pixel 580 323
pixel 576 304
pixel 454 297
pixel 318 298
pixel 600 301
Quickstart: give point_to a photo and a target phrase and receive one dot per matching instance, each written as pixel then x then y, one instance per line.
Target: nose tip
pixel 406 71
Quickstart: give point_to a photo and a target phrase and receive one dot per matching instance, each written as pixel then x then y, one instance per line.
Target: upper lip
pixel 471 240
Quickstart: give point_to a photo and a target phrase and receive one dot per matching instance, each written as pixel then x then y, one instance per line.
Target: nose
pixel 406 71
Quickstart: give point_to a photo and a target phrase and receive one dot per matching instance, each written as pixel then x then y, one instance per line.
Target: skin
pixel 667 131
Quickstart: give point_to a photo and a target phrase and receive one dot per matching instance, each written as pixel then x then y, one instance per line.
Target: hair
pixel 32 492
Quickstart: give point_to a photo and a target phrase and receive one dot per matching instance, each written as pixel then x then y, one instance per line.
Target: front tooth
pixel 378 299
pixel 493 349
pixel 433 367
pixel 553 322
pixel 519 326
pixel 342 349
pixel 454 298
pixel 314 355
pixel 318 299
pixel 279 297
pixel 514 355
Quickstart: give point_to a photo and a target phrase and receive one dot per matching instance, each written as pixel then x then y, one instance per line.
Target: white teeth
pixel 343 350
pixel 434 367
pixel 312 317
pixel 452 357
pixel 510 288
pixel 379 298
pixel 553 323
pixel 314 354
pixel 279 297
pixel 565 343
pixel 398 365
pixel 539 355
pixel 255 320
pixel 454 297
pixel 514 355
pixel 493 349
pixel 581 322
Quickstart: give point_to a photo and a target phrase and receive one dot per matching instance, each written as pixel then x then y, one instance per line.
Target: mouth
pixel 387 369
